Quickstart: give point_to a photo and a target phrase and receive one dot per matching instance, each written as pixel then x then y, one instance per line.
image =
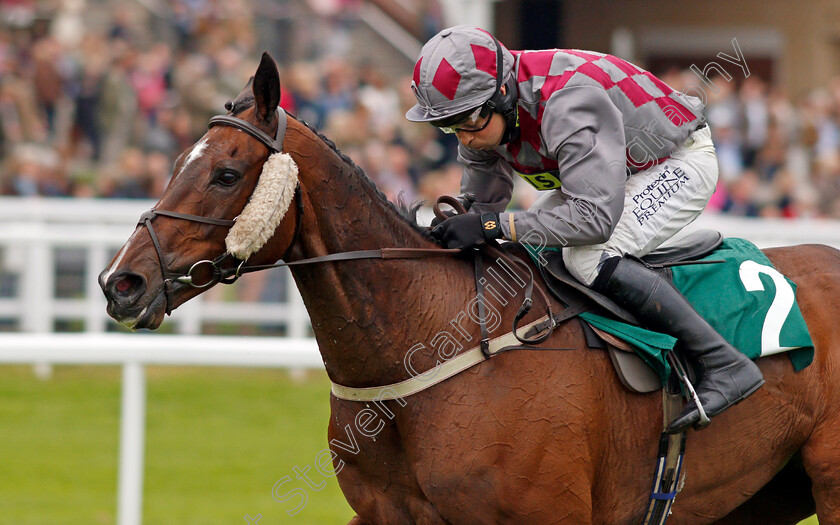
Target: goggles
pixel 473 123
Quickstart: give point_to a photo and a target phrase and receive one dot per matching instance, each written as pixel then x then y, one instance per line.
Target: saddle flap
pixel 695 245
pixel 633 372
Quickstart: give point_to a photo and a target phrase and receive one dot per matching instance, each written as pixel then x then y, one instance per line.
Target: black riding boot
pixel 727 375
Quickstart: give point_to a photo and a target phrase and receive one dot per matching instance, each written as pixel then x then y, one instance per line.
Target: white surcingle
pixel 266 208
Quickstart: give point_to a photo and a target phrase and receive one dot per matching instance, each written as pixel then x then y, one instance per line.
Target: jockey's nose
pixel 464 137
pixel 123 288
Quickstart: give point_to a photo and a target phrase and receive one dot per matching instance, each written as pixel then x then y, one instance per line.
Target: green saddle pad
pixel 745 299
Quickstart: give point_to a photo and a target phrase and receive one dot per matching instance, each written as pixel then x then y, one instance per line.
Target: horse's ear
pixel 266 88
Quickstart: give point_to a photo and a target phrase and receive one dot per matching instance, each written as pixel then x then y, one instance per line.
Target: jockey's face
pixel 487 138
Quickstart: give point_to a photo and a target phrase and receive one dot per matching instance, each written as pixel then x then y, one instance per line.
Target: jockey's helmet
pixel 460 70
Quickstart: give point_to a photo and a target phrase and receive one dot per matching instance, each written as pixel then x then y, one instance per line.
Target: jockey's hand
pixel 437 220
pixel 466 200
pixel 468 230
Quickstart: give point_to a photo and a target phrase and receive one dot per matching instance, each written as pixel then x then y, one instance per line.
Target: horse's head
pixel 226 202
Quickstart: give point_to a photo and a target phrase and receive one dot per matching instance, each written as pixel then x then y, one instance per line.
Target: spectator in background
pixel 338 84
pixel 33 171
pixel 48 80
pixel 87 91
pixel 158 172
pixel 110 95
pixel 725 116
pixel 396 179
pixel 150 81
pixel 117 102
pixel 444 181
pixel 304 87
pixel 132 180
pixel 740 199
pixel 756 117
pixel 380 100
pixel 19 120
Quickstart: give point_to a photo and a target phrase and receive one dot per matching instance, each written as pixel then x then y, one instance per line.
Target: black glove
pixel 468 230
pixel 466 200
pixel 437 220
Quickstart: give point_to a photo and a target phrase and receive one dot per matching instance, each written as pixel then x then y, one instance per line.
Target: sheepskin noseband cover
pixel 266 208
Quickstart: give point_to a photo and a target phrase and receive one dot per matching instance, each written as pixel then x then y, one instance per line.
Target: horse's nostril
pixel 126 287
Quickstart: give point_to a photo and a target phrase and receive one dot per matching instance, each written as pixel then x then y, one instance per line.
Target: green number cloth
pixel 745 299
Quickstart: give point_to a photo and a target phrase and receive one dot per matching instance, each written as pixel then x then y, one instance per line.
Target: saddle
pixel 632 371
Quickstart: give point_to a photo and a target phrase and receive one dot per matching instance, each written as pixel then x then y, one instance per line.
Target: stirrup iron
pixel 692 394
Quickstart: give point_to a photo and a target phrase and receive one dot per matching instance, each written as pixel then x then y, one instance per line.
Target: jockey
pixel 625 163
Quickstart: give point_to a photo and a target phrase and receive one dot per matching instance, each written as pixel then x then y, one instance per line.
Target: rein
pixel 228 275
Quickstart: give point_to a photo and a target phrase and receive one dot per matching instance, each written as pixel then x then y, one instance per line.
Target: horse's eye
pixel 227 178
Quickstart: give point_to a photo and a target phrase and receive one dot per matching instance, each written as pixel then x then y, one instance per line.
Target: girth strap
pixel 442 372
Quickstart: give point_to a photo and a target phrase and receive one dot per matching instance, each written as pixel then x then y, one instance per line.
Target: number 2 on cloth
pixel 780 307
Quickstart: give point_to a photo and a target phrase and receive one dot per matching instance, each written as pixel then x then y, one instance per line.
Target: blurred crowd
pixel 97 100
pixel 777 157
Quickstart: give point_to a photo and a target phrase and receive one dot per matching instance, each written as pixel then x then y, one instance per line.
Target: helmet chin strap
pixel 504 102
pixel 511 133
pixel 511 116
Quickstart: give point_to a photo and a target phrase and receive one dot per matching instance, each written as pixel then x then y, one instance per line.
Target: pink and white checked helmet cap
pixel 456 72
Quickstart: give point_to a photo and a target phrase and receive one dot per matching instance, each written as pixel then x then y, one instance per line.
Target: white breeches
pixel 658 203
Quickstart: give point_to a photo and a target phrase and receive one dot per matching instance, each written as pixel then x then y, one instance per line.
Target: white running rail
pixel 36 232
pixel 34 237
pixel 134 352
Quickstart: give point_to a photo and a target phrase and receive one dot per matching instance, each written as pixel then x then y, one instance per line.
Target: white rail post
pixel 37 298
pixel 132 438
pixel 38 284
pixel 96 258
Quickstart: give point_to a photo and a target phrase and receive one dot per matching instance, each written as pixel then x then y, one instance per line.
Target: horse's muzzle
pixel 124 292
pixel 123 288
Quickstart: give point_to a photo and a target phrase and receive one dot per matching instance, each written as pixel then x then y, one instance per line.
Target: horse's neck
pixel 367 314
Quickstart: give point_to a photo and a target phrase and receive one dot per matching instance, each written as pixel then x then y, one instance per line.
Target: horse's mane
pixel 405 211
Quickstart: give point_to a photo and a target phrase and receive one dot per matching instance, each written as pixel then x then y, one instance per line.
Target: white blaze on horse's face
pixel 118 259
pixel 197 151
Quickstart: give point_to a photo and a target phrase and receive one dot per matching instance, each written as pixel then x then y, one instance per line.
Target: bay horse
pixel 525 437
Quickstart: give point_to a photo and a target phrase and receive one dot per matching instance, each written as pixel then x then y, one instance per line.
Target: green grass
pixel 217 441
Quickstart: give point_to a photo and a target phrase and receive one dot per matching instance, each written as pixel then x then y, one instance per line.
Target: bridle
pixel 219 274
pixel 229 274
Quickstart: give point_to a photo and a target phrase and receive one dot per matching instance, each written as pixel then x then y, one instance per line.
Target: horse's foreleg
pixel 821 457
pixel 357 521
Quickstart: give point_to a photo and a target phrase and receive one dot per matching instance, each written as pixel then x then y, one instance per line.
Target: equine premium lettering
pixel 657 193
